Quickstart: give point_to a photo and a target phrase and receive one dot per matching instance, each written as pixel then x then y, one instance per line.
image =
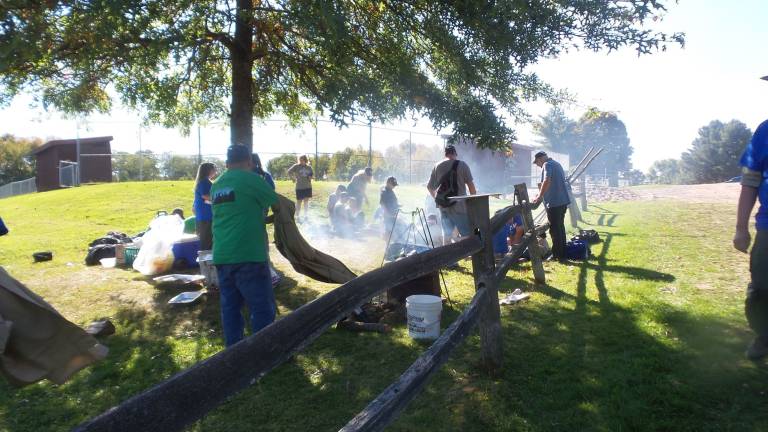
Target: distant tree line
pixel 146 165
pixel 713 156
pixel 16 161
pixel 595 128
pixel 405 160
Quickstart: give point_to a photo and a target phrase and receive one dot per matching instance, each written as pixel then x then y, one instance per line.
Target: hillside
pixel 647 335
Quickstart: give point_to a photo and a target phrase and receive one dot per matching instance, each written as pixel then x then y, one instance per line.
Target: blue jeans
pixel 451 220
pixel 248 283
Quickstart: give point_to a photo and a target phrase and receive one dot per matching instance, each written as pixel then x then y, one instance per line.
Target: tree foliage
pixel 179 167
pixel 143 165
pixel 714 154
pixel 557 132
pixel 665 171
pixel 595 128
pixel 458 63
pixel 16 163
pixel 411 161
pixel 604 129
pixel 278 167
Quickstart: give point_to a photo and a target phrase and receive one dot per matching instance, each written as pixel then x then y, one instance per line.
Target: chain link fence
pixel 18 188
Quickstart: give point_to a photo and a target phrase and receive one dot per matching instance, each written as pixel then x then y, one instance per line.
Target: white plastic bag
pixel 156 253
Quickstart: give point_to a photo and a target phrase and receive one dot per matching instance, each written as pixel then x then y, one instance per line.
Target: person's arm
pixel 205 191
pixel 470 182
pixel 518 234
pixel 431 187
pixel 292 172
pixel 543 190
pixel 747 198
pixel 544 187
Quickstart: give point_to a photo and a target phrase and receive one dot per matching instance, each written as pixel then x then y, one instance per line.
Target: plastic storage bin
pixel 185 252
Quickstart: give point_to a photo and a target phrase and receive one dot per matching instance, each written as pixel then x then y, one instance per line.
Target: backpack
pixel 448 187
pixel 588 236
pixel 99 251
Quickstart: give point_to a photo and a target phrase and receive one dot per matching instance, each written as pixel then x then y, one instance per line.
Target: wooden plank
pixel 503 216
pixel 391 402
pixel 514 255
pixel 536 262
pixel 573 209
pixel 190 394
pixel 483 265
pixel 511 258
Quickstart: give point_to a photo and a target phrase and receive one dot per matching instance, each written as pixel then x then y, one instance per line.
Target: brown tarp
pixel 304 258
pixel 36 342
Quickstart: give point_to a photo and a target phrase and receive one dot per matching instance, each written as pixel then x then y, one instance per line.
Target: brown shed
pixel 95 161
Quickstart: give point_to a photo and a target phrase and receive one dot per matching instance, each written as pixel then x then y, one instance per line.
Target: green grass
pixel 647 335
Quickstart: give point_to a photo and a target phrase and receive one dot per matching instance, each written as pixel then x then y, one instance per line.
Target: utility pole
pixel 317 166
pixel 410 158
pixel 77 151
pixel 370 144
pixel 199 147
pixel 141 158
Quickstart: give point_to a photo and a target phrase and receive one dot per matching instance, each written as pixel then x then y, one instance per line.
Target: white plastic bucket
pixel 423 316
pixel 207 269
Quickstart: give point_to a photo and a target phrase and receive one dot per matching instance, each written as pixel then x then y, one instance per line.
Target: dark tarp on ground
pixel 36 342
pixel 304 258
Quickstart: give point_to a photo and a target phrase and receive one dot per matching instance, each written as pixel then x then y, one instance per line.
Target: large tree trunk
pixel 241 123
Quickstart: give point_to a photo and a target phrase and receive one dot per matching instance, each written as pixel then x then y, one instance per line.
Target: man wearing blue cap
pixel 240 198
pixel 554 193
pixel 754 185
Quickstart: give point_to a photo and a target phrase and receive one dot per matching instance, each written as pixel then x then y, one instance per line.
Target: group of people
pixel 345 205
pixel 224 209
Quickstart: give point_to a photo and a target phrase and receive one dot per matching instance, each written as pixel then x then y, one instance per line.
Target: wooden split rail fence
pixel 186 397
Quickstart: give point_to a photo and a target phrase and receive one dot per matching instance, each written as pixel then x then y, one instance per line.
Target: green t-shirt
pixel 190 225
pixel 239 200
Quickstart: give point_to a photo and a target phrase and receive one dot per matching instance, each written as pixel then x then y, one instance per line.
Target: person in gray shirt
pixel 554 193
pixel 302 174
pixel 455 216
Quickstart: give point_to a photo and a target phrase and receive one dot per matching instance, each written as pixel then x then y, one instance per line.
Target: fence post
pixel 482 269
pixel 583 194
pixel 538 267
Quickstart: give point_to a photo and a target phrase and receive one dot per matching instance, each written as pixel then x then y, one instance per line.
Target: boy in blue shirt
pixel 754 185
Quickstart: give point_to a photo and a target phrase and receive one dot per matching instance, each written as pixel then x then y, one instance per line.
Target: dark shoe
pixel 757 349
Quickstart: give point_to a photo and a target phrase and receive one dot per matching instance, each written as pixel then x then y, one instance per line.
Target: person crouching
pixel 240 252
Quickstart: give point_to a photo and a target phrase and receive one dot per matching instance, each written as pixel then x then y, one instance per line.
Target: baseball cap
pixel 538 155
pixel 238 153
pixel 450 149
pixel 392 180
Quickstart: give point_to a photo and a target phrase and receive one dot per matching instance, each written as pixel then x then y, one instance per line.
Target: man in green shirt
pixel 239 199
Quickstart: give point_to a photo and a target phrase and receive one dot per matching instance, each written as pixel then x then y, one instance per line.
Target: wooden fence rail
pixel 386 407
pixel 189 395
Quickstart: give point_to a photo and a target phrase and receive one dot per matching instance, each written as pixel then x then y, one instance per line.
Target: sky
pixel 663 98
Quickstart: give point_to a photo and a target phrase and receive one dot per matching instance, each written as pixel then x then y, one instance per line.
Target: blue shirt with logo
pixel 557 193
pixel 755 158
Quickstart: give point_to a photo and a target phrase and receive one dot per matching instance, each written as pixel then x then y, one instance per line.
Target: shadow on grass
pixel 147 348
pixel 572 363
pixel 581 364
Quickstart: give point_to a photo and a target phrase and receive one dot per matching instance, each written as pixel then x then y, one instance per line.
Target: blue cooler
pixel 185 252
pixel 500 240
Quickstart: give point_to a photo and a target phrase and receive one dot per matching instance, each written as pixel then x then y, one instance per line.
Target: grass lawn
pixel 649 334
